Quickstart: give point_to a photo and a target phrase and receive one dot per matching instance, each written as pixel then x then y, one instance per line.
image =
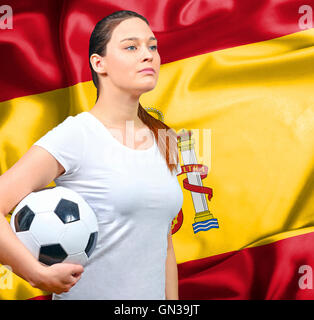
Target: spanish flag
pixel 236 83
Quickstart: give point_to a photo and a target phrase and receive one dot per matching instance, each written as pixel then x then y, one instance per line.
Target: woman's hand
pixel 58 278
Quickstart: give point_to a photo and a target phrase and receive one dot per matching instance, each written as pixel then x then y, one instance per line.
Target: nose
pixel 147 55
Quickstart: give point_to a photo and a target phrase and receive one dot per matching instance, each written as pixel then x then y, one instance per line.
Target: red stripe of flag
pixel 46 297
pixel 270 271
pixel 47 48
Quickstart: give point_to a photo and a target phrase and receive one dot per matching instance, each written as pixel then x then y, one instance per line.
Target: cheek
pixel 157 59
pixel 121 65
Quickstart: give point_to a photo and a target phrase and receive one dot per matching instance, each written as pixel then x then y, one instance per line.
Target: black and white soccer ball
pixel 56 225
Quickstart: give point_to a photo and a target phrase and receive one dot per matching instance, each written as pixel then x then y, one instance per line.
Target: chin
pixel 144 89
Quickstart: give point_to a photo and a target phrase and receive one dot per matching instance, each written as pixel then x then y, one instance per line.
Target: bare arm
pixel 14 254
pixel 172 292
pixel 35 170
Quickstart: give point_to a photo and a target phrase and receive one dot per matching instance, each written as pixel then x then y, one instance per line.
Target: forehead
pixel 132 27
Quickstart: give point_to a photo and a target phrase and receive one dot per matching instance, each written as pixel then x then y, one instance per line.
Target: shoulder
pixel 67 134
pixel 66 142
pixel 71 121
pixel 71 125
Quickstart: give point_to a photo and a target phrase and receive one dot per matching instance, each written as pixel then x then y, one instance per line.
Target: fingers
pixel 77 269
pixel 75 276
pixel 75 279
pixel 72 283
pixel 65 276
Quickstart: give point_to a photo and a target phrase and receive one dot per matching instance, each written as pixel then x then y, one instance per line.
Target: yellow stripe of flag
pixel 257 102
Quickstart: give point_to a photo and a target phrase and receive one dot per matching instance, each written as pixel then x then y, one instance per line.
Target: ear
pixel 98 63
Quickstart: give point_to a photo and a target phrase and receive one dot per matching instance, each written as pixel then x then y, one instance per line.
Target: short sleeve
pixel 66 143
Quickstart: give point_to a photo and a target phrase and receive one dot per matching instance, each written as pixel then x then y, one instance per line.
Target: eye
pixel 154 47
pixel 130 47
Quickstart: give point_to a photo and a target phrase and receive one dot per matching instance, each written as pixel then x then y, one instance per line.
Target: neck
pixel 114 107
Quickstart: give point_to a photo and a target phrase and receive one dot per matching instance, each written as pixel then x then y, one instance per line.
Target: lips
pixel 147 70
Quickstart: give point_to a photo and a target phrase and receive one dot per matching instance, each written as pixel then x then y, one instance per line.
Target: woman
pixel 131 186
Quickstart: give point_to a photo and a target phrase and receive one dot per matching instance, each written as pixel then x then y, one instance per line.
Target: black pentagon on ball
pixel 23 219
pixel 51 254
pixel 91 243
pixel 67 211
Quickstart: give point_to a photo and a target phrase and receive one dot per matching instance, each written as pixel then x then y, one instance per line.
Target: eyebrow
pixel 135 38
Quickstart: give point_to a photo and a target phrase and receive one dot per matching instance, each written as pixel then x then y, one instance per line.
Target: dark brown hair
pixel 100 36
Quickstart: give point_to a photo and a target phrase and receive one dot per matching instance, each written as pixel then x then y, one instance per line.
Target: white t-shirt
pixel 135 198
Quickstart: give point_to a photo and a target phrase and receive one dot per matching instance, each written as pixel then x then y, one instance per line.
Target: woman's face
pixel 125 58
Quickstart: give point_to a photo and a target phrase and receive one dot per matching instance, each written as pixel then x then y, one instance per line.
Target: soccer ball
pixel 56 225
